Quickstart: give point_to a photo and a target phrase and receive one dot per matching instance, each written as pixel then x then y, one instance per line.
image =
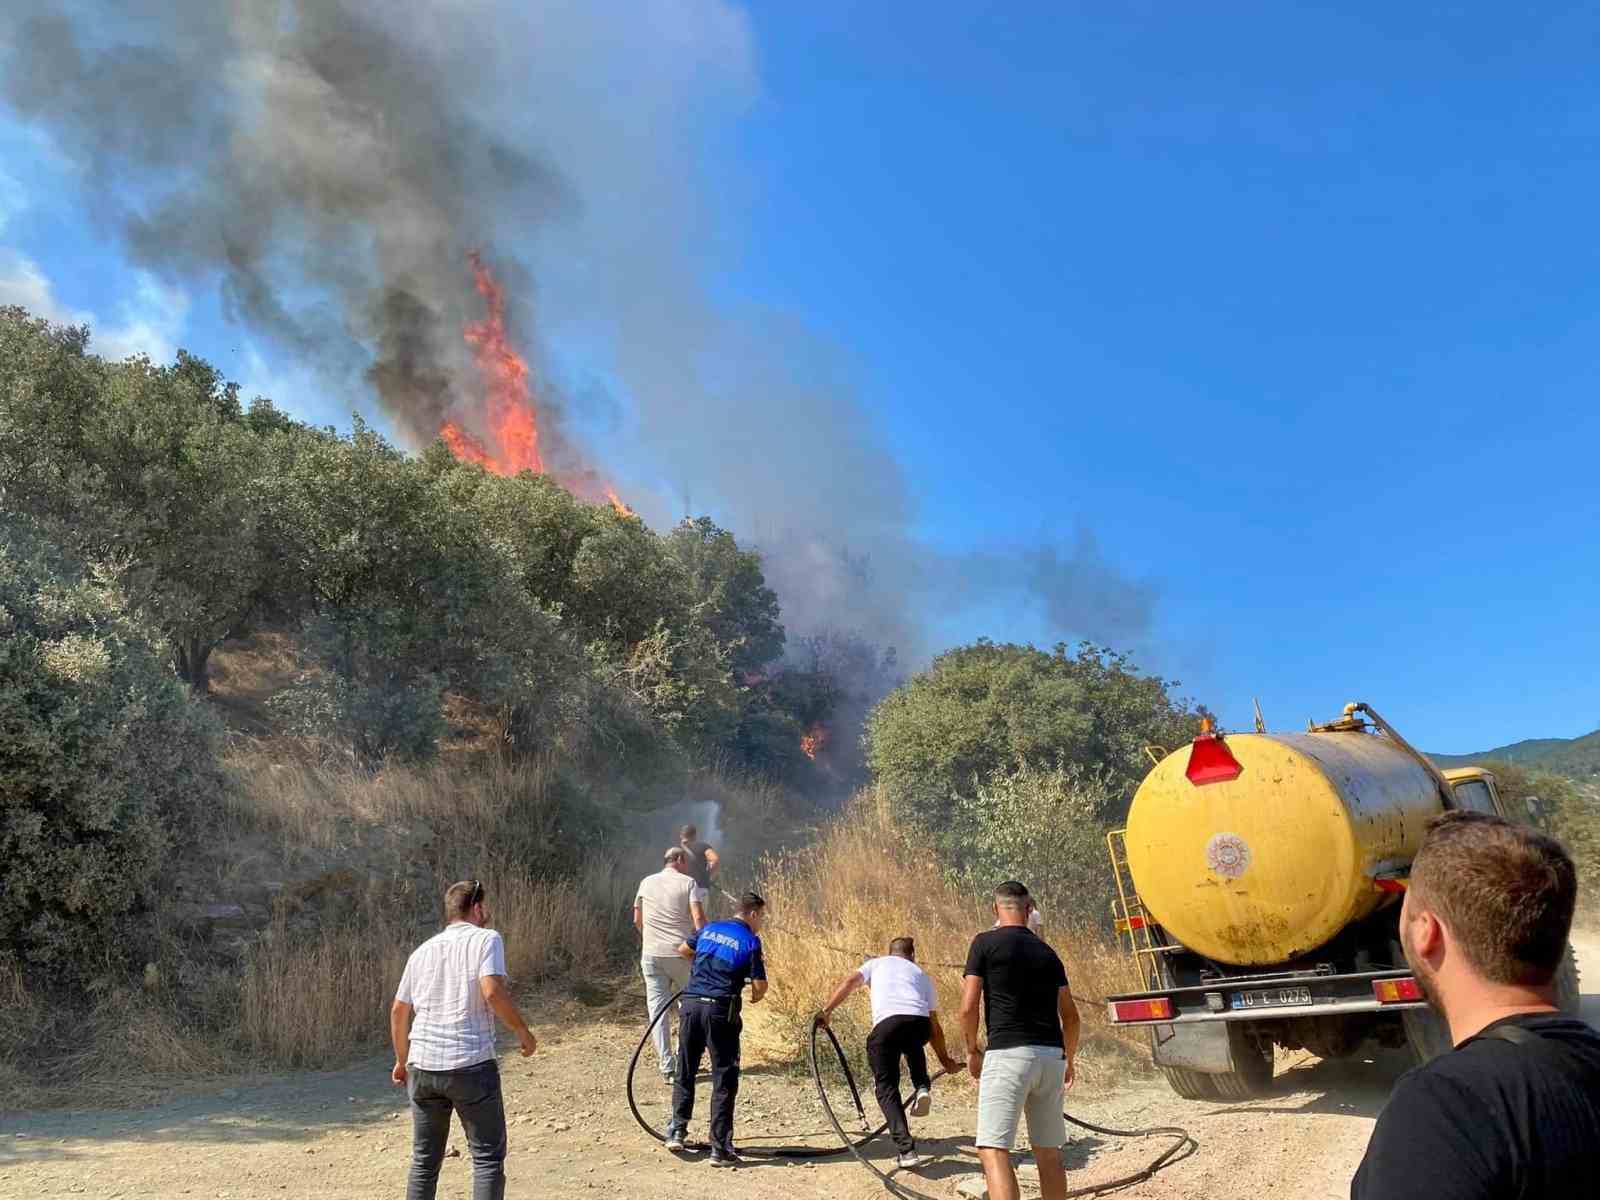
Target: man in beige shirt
pixel 666 909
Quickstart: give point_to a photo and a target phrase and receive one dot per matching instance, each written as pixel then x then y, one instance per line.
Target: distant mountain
pixel 1578 757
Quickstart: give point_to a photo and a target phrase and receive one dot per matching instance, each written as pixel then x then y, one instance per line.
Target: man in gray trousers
pixel 442 1026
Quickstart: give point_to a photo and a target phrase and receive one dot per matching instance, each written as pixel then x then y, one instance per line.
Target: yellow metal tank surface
pixel 1261 869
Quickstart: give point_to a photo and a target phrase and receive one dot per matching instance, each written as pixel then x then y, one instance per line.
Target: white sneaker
pixel 921 1103
pixel 909 1162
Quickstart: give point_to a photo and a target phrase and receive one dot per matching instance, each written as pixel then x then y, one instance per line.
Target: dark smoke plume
pixel 329 165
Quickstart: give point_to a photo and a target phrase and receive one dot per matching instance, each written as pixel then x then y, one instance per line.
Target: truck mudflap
pixel 1279 996
pixel 1196 1047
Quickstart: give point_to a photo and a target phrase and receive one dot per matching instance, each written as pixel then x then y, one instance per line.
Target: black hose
pixel 1182 1146
pixel 756 1151
pixel 1183 1143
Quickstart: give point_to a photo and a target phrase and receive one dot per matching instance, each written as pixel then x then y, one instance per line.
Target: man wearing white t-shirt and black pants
pixel 905 1018
pixel 442 1025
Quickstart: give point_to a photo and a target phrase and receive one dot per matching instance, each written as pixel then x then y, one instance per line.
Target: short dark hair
pixel 460 897
pixel 1011 894
pixel 1506 892
pixel 903 946
pixel 749 903
pixel 687 832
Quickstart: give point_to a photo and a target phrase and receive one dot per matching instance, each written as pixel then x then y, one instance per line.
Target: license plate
pixel 1272 998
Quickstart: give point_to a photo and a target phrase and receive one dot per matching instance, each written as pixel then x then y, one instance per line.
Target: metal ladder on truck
pixel 1132 920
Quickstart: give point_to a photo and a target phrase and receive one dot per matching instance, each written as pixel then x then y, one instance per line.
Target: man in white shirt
pixel 1035 920
pixel 905 1018
pixel 666 910
pixel 442 1026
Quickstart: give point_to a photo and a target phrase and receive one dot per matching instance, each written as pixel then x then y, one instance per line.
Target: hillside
pixel 1577 757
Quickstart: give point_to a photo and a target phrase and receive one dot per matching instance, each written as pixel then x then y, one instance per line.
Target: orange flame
pixel 813 740
pixel 511 424
pixel 507 418
pixel 616 502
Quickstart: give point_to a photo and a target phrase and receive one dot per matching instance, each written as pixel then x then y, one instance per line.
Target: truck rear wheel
pixel 1252 1073
pixel 1191 1085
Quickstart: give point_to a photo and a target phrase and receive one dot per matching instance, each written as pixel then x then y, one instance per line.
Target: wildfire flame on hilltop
pixel 512 424
pixel 616 502
pixel 813 740
pixel 509 420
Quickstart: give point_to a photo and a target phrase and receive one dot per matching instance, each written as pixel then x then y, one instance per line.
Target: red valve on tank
pixel 1210 760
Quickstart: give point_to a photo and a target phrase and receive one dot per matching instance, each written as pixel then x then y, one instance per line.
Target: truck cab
pixel 1475 790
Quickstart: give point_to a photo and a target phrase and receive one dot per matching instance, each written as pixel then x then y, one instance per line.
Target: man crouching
pixel 905 1018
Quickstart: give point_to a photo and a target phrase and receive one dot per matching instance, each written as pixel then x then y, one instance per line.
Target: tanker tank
pixel 1266 867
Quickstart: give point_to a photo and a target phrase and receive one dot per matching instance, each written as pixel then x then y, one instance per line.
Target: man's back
pixel 900 988
pixel 726 954
pixel 697 867
pixel 1518 1120
pixel 664 898
pixel 453 1026
pixel 1022 979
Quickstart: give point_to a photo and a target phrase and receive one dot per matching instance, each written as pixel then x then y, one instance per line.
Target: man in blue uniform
pixel 724 955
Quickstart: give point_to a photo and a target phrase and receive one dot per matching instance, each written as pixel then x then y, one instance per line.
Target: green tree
pixel 105 762
pixel 729 593
pixel 155 468
pixel 986 709
pixel 410 594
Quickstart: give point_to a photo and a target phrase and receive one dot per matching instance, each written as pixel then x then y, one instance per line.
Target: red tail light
pixel 1142 1010
pixel 1210 761
pixel 1396 991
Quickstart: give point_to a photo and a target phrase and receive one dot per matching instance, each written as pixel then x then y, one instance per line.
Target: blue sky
pixel 1293 308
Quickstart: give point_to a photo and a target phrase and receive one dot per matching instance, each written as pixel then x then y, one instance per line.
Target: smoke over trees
pixel 329 166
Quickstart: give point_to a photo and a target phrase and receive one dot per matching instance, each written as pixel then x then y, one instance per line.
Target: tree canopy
pixel 986 709
pixel 408 578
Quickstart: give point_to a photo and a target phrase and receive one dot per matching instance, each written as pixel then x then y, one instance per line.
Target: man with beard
pixel 1514 1110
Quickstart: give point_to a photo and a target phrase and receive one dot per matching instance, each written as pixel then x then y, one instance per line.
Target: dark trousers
pixel 891 1039
pixel 713 1025
pixel 473 1094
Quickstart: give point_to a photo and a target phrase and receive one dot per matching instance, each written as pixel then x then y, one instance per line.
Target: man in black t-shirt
pixel 1513 1112
pixel 1032 1027
pixel 702 864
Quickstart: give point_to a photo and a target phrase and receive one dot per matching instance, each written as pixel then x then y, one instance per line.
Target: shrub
pixel 104 762
pixel 1046 827
pixel 986 708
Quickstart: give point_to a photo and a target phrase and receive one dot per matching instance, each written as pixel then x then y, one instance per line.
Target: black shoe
pixel 726 1158
pixel 674 1141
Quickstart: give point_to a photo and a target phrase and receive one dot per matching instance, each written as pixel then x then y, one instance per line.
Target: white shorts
pixel 1022 1080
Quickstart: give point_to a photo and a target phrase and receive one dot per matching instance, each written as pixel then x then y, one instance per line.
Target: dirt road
pixel 346 1134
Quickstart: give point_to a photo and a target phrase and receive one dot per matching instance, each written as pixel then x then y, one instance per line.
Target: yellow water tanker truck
pixel 1259 882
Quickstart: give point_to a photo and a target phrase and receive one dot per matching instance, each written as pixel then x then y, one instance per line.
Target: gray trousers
pixel 663 977
pixel 473 1094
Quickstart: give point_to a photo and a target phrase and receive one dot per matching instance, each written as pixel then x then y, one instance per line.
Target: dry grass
pixel 861 884
pixel 131 1044
pixel 308 805
pixel 318 1000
